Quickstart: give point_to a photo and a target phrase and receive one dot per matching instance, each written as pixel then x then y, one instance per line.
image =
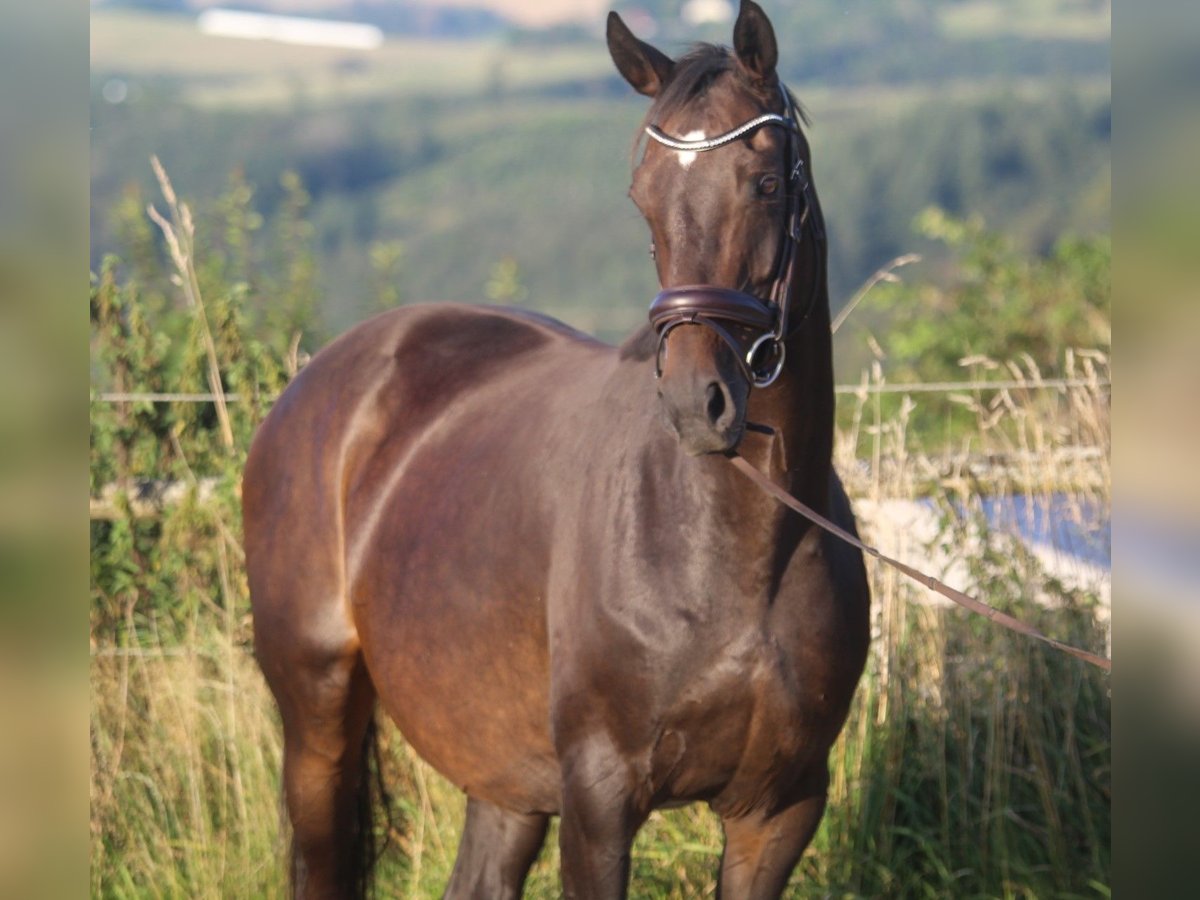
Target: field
pixel 325 185
pixel 448 159
pixel 974 764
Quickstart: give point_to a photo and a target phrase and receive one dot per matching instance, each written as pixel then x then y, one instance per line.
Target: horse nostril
pixel 716 403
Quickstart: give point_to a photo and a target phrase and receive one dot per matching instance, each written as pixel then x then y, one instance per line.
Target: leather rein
pixel 754 329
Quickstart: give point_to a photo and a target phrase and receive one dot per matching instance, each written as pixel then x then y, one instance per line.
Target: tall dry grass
pixel 974 763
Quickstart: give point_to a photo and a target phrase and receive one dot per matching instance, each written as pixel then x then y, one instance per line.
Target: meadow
pixel 326 185
pixel 974 763
pixel 496 167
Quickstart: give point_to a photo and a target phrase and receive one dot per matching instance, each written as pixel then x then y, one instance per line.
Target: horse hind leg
pixel 327 709
pixel 762 850
pixel 495 853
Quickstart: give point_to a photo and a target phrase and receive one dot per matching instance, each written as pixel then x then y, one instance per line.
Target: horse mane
pixel 640 345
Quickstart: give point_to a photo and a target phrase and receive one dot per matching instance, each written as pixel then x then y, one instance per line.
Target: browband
pixel 720 140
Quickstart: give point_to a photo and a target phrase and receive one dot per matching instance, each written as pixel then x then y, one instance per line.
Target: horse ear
pixel 754 42
pixel 644 67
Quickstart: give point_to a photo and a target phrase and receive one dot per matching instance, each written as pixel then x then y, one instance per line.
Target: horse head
pixel 725 225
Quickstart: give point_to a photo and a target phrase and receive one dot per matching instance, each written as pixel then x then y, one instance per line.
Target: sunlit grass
pixel 973 764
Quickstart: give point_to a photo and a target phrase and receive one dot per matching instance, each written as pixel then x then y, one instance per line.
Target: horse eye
pixel 768 186
pixel 653 251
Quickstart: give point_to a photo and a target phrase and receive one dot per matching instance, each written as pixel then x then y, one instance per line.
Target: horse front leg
pixel 761 849
pixel 495 853
pixel 600 816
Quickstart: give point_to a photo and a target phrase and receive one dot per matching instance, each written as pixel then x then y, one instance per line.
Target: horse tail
pixel 374 823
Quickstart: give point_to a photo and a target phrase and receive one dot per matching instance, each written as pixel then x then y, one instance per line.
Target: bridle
pixel 755 329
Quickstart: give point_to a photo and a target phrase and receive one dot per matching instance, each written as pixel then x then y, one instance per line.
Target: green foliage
pixel 504 285
pixel 995 303
pixel 1033 167
pixel 387 259
pixel 1000 304
pixel 184 757
pixel 144 341
pixel 990 772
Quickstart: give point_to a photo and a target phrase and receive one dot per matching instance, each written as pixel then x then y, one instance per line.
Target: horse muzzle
pixel 706 414
pixel 703 390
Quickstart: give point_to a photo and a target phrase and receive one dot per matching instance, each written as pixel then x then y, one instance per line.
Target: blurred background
pixel 479 149
pixel 322 160
pixel 413 161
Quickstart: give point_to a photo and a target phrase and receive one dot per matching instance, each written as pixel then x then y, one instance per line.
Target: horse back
pixel 342 428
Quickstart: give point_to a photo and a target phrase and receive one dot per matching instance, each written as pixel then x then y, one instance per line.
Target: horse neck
pixel 800 406
pixel 727 516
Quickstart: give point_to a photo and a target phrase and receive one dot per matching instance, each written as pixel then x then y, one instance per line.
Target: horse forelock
pixel 692 76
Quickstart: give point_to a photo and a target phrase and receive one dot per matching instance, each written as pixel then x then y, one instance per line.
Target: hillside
pixel 456 164
pixel 470 159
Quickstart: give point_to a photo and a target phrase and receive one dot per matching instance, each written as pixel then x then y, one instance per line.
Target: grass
pixel 220 72
pixel 973 764
pixel 1084 20
pixel 185 774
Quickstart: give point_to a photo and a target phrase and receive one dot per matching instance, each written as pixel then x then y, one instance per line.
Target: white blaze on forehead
pixel 687 157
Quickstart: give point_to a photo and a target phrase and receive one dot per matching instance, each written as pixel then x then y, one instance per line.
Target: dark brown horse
pixel 476 518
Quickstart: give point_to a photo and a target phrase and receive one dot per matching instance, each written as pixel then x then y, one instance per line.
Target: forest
pixel 445 166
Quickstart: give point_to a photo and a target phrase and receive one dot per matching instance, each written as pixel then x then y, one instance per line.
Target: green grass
pixel 228 72
pixel 1084 20
pixel 975 763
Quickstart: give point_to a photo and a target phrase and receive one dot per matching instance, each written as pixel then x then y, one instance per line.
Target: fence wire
pixel 921 387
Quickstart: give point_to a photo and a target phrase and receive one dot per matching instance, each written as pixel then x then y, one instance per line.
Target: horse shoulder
pixel 826 623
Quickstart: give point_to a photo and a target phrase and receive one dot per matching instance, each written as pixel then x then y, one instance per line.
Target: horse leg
pixel 600 816
pixel 495 852
pixel 327 710
pixel 761 850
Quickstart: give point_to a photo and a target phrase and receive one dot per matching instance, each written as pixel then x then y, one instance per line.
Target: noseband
pixel 755 329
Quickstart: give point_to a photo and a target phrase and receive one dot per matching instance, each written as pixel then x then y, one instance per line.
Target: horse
pixel 531 550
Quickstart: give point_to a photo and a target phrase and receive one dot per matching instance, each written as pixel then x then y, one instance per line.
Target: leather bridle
pixel 755 329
